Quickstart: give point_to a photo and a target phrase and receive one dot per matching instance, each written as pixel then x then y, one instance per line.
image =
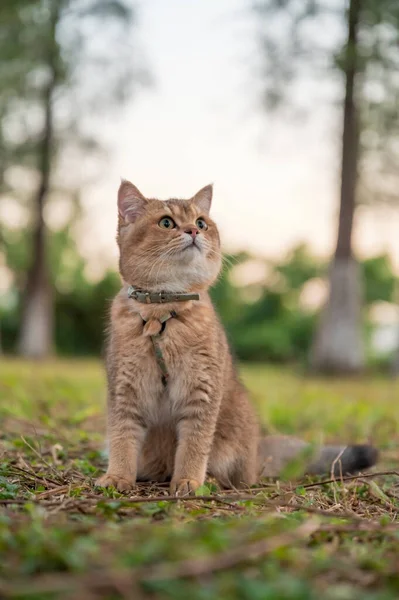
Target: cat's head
pixel 167 246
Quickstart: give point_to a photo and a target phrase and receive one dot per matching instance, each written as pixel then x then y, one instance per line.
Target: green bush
pixel 264 322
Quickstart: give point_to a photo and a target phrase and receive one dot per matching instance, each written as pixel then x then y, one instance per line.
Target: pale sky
pixel 275 181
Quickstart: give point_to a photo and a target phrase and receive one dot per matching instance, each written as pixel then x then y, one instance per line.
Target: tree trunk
pixel 36 334
pixel 338 344
pixel 37 318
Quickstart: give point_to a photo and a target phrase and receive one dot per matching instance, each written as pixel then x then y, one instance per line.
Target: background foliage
pixel 265 320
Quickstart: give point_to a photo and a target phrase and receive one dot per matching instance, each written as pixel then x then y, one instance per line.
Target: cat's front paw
pixel 184 487
pixel 120 483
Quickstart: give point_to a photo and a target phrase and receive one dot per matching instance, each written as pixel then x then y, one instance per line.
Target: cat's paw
pixel 184 487
pixel 120 483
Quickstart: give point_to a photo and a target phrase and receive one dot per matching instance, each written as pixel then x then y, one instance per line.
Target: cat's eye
pixel 167 223
pixel 201 224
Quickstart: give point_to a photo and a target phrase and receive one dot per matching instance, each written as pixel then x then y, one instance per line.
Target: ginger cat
pixel 176 408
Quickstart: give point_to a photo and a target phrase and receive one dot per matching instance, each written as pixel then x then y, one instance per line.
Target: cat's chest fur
pixel 182 344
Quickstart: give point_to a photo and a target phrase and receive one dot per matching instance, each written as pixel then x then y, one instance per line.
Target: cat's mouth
pixel 192 245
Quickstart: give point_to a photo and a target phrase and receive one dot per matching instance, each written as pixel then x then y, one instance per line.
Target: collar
pixel 159 297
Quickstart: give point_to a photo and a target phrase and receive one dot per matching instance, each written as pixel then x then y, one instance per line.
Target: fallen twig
pixel 350 478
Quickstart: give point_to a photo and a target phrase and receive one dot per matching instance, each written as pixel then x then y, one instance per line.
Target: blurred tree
pixel 62 64
pixel 80 304
pixel 368 59
pixel 338 344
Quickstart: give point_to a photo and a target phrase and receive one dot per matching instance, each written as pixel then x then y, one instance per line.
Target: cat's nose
pixel 193 231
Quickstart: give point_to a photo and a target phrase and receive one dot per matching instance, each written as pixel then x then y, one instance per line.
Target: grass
pixel 61 537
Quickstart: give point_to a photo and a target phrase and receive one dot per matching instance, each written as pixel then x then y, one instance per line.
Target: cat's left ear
pixel 203 199
pixel 131 202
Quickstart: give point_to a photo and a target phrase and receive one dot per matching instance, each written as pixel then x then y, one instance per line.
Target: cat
pixel 177 410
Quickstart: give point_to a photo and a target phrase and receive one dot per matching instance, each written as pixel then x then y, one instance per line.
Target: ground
pixel 61 537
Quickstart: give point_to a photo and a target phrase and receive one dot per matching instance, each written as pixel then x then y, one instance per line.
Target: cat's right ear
pixel 131 202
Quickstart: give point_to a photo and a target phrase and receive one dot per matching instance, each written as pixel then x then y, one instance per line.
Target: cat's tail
pixel 278 452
